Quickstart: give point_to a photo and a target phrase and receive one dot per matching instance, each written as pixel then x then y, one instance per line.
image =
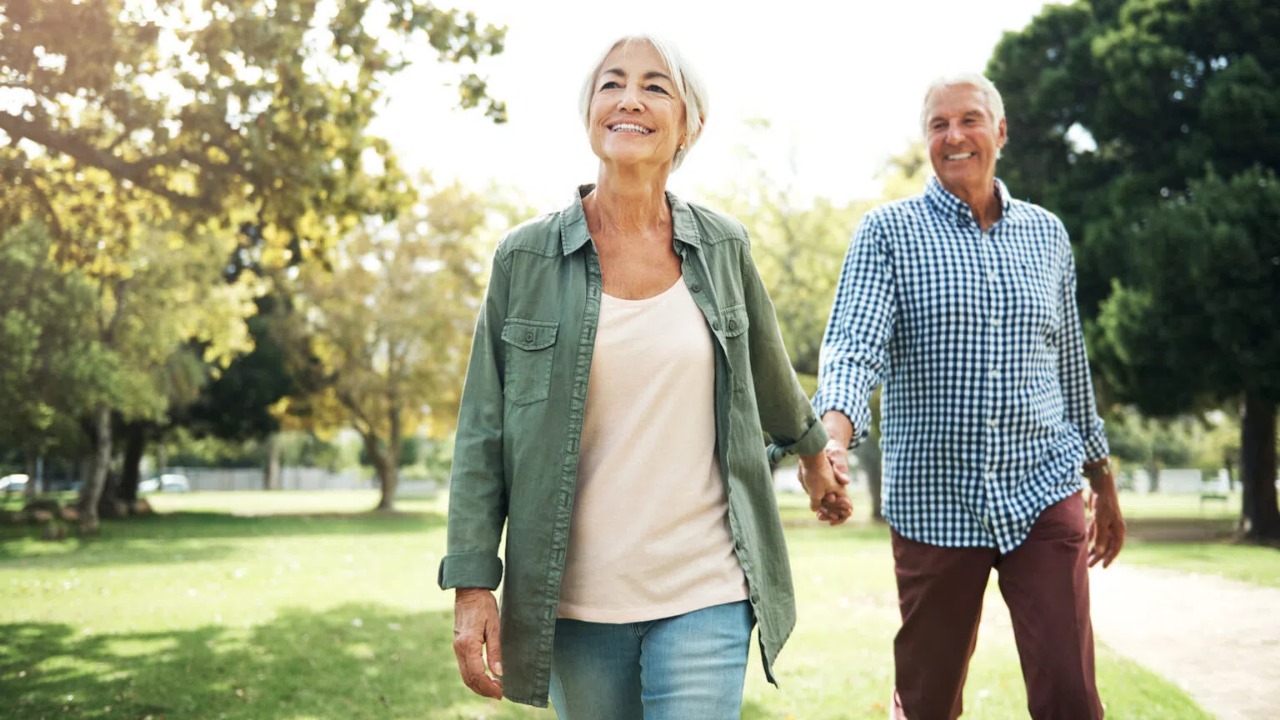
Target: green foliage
pixel 1151 127
pixel 1179 442
pixel 52 369
pixel 799 244
pixel 229 108
pixel 389 321
pixel 1114 105
pixel 1200 314
pixel 386 327
pixel 303 449
pixel 236 405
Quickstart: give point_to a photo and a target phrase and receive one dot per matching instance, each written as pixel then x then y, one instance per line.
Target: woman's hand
pixel 825 476
pixel 475 635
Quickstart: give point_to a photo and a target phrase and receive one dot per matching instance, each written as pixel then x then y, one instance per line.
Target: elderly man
pixel 962 301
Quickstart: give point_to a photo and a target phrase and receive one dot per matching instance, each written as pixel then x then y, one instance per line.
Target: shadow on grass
pixel 356 661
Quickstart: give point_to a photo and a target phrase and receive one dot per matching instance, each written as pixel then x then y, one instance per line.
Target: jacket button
pixel 715 324
pixel 696 287
pixel 733 324
pixel 528 337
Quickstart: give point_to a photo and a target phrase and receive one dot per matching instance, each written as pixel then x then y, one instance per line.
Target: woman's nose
pixel 630 99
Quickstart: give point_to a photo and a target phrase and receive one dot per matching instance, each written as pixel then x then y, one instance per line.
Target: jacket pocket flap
pixel 733 320
pixel 529 334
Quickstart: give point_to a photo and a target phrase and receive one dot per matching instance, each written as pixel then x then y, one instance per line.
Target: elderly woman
pixel 625 364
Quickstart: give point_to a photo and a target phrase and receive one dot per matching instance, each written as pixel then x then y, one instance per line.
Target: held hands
pixel 475 633
pixel 825 476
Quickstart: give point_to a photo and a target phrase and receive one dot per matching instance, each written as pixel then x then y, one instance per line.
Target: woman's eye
pixel 658 89
pixel 610 85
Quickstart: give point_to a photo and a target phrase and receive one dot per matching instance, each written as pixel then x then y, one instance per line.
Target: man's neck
pixel 985 203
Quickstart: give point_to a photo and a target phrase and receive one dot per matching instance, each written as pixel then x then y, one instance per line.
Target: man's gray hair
pixel 689 88
pixel 985 88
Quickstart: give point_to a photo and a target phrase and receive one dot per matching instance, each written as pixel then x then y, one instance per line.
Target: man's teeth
pixel 961 156
pixel 628 127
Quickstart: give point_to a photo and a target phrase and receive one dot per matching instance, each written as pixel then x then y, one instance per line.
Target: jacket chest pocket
pixel 530 348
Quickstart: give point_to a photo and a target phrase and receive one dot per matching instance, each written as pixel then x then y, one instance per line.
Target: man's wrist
pixel 1099 474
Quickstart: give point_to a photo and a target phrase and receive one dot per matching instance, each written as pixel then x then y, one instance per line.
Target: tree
pixel 388 326
pixel 1151 127
pixel 128 123
pixel 51 369
pixel 242 403
pixel 154 299
pixel 234 109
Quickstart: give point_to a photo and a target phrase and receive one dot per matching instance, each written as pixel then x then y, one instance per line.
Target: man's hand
pixel 475 634
pixel 824 476
pixel 1106 525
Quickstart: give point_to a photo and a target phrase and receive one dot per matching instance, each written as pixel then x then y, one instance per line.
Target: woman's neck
pixel 630 205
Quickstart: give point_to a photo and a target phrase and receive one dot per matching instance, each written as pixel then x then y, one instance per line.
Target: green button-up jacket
pixel 516 456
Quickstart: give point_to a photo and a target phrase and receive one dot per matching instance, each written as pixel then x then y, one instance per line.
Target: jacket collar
pixel 573 222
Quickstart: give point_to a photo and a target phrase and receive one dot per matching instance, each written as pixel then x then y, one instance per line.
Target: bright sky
pixel 839 82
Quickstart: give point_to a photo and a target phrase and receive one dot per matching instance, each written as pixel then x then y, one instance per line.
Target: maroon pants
pixel 1045 583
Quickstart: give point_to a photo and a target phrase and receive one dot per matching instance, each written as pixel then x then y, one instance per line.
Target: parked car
pixel 14 483
pixel 166 483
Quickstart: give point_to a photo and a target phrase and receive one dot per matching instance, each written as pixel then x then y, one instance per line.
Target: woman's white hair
pixel 689 88
pixel 985 88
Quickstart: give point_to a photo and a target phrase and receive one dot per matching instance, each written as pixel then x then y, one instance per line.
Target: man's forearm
pixel 838 426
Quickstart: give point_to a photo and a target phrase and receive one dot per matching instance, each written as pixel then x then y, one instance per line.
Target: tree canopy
pixel 246 110
pixel 1150 127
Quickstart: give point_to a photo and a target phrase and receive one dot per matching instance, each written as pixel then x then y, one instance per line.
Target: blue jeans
pixel 687 666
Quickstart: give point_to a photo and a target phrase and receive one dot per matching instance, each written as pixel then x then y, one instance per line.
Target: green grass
pixel 200 613
pixel 1178 532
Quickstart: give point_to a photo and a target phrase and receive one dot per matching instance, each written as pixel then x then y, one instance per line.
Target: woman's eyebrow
pixel 647 76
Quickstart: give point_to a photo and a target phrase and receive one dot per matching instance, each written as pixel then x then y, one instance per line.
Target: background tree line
pixel 206 243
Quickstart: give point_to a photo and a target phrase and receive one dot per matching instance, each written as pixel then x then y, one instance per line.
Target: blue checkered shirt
pixel 988 409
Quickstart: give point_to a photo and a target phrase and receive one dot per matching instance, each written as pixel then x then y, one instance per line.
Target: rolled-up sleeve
pixel 477 486
pixel 1073 369
pixel 854 353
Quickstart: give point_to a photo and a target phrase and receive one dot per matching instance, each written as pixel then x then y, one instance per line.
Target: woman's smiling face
pixel 636 116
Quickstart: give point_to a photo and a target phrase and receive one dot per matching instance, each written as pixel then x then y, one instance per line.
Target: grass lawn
pixel 1178 532
pixel 217 608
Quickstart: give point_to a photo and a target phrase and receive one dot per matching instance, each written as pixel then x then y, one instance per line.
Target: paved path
pixel 1217 639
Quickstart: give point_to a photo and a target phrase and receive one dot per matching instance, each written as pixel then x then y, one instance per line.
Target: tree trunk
pixel 32 468
pixel 384 464
pixel 1260 516
pixel 135 444
pixel 872 462
pixel 1153 476
pixel 91 490
pixel 388 479
pixel 271 475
